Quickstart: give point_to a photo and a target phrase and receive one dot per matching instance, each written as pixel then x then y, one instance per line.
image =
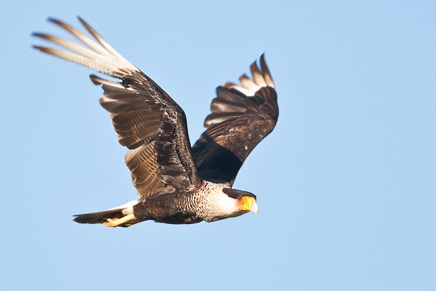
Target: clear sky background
pixel 346 183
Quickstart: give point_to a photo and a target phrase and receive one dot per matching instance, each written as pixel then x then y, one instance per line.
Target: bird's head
pixel 245 201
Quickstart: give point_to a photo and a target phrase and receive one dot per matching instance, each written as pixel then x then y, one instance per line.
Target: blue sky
pixel 346 183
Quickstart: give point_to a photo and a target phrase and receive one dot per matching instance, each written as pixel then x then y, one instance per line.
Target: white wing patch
pixel 260 79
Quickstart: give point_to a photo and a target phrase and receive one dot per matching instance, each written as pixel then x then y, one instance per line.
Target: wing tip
pixel 261 77
pixel 265 71
pixel 56 21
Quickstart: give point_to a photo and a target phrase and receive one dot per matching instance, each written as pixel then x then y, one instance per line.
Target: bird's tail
pixel 118 216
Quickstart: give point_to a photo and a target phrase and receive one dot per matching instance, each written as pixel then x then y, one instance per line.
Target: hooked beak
pixel 254 208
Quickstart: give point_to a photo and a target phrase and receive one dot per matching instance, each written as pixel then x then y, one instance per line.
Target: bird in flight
pixel 177 183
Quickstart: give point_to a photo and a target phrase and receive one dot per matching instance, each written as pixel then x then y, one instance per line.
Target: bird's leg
pixel 114 222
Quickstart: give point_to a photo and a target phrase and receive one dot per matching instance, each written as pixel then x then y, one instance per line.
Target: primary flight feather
pixel 177 183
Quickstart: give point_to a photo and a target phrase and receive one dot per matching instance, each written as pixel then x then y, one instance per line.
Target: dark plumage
pixel 176 183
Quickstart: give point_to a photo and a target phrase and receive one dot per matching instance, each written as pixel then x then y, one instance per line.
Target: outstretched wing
pixel 146 119
pixel 241 117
